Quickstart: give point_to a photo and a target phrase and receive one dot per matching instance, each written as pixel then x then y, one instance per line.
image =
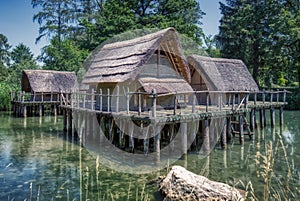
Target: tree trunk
pixel 181 184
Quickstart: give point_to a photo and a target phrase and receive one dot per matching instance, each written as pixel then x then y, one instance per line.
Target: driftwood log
pixel 181 184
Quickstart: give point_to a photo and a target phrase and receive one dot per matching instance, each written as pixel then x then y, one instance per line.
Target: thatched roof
pixel 48 81
pixel 223 74
pixel 123 61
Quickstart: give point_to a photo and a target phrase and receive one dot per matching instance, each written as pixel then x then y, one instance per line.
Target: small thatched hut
pixel 219 74
pixel 154 61
pixel 47 84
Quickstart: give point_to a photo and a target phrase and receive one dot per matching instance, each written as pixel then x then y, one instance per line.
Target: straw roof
pixel 223 74
pixel 123 61
pixel 48 81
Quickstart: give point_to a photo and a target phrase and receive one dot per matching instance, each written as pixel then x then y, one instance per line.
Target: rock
pixel 181 184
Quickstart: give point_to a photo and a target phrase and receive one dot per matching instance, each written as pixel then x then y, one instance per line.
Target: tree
pixel 4 50
pixel 56 18
pixel 63 55
pixel 22 59
pixel 261 33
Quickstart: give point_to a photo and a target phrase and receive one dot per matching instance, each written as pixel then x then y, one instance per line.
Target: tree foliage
pixel 265 35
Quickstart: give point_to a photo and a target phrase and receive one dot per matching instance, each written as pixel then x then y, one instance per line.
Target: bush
pixel 5 90
pixel 293 100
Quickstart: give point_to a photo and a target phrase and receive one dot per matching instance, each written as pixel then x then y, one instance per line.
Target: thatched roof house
pixel 154 61
pixel 47 81
pixel 124 61
pixel 219 74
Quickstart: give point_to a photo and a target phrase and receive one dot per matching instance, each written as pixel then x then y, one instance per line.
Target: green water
pixel 38 163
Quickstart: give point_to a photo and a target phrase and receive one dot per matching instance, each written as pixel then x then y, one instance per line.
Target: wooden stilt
pixel 41 110
pixel 146 141
pixel 65 120
pixel 183 128
pixel 264 114
pixel 224 134
pixel 206 145
pixel 272 117
pixel 252 119
pixel 157 129
pixel 24 111
pixel 131 138
pixel 281 116
pixel 261 115
pixel 228 130
pixel 241 130
pixel 70 122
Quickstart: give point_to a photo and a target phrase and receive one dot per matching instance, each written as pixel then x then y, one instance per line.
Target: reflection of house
pixel 153 61
pixel 218 74
pixel 46 85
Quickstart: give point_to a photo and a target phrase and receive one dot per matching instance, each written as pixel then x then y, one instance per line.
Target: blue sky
pixel 17 25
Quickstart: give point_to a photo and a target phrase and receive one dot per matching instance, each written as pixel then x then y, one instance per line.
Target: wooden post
pixel 281 116
pixel 264 96
pixel 55 110
pixel 146 140
pixel 272 116
pixel 252 119
pixel 108 100
pixel 139 103
pixel 42 96
pixel 284 95
pixel 175 104
pixel 70 122
pixel 261 115
pixel 153 103
pixel 117 98
pixel 206 142
pixel 24 111
pixel 183 128
pixel 93 100
pixel 194 102
pixel 224 134
pixel 84 99
pixel 255 99
pixel 228 130
pixel 40 110
pixel 157 129
pixel 65 119
pixel 127 101
pixel 233 102
pixel 23 96
pixel 207 101
pixel 277 96
pixel 131 139
pixel 241 123
pixel 100 99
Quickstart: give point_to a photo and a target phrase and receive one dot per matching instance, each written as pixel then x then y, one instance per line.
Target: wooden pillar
pixel 228 130
pixel 70 122
pixel 281 116
pixel 261 115
pixel 24 111
pixel 65 120
pixel 224 134
pixel 131 139
pixel 184 147
pixel 55 110
pixel 272 117
pixel 40 110
pixel 146 140
pixel 241 130
pixel 206 143
pixel 252 119
pixel 157 129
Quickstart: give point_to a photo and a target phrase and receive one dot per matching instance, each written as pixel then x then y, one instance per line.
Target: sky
pixel 17 25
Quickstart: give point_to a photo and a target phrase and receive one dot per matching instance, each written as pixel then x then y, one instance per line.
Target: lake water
pixel 38 163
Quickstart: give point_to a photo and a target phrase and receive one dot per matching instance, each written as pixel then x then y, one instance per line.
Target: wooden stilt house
pixel 46 85
pixel 147 64
pixel 219 74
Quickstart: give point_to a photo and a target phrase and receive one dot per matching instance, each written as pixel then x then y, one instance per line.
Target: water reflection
pixel 38 162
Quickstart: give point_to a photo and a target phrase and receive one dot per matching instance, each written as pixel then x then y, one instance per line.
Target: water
pixel 38 163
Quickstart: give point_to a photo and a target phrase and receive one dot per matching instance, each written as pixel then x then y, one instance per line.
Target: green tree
pixel 22 58
pixel 4 57
pixel 265 35
pixel 62 55
pixel 56 17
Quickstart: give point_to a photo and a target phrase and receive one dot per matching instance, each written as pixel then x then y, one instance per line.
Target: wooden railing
pixel 22 96
pixel 182 102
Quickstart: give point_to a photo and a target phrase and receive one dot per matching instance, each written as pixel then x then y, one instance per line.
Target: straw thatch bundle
pixel 39 81
pixel 223 74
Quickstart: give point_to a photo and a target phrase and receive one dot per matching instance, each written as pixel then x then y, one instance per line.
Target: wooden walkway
pixel 86 116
